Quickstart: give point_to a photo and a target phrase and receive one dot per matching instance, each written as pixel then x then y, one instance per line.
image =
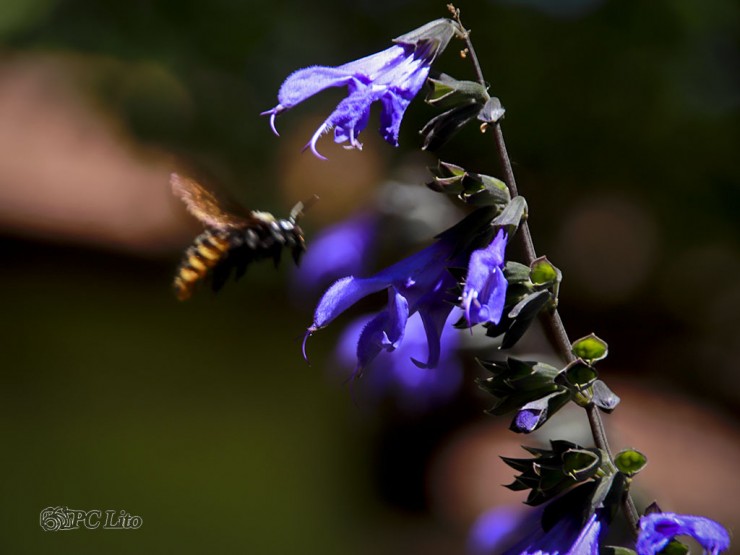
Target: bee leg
pixel 242 262
pixel 220 273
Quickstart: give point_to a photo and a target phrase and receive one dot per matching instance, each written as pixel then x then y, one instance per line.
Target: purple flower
pixel 339 250
pixel 568 536
pixel 412 388
pixel 495 527
pixel 484 294
pixel 393 77
pixel 658 529
pixel 420 283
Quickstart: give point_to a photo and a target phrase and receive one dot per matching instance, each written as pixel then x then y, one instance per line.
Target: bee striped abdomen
pixel 205 252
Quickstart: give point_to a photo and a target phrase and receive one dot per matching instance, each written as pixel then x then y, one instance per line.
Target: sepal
pixel 492 111
pixel 603 397
pixel 446 91
pixel 435 36
pixel 464 102
pixel 442 127
pixel 527 387
pixel 472 188
pixel 551 472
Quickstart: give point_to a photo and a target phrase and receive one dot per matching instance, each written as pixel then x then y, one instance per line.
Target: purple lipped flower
pixel 484 294
pixel 341 249
pixel 393 77
pixel 413 389
pixel 496 526
pixel 568 536
pixel 420 283
pixel 658 529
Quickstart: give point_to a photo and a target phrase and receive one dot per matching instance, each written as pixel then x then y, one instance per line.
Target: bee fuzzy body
pixel 230 241
pixel 221 253
pixel 208 249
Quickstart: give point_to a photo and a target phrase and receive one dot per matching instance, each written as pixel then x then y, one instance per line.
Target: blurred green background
pixel 623 125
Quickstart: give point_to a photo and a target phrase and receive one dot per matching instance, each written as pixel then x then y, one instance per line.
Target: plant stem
pixel 550 319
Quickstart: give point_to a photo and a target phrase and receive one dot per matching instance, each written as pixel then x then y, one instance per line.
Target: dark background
pixel 622 122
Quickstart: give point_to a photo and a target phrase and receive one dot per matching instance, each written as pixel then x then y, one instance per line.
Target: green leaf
pixel 630 461
pixel 590 348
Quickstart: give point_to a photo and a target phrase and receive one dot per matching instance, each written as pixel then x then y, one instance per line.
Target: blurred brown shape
pixel 607 244
pixel 68 173
pixel 345 183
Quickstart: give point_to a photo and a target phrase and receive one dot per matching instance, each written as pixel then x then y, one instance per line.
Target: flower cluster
pixel 420 283
pixel 392 77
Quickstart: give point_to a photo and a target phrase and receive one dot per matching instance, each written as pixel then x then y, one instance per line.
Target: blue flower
pixel 411 388
pixel 341 249
pixel 568 536
pixel 484 294
pixel 420 283
pixel 494 528
pixel 658 529
pixel 393 77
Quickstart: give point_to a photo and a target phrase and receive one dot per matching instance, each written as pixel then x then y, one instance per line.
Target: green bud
pixel 590 348
pixel 630 461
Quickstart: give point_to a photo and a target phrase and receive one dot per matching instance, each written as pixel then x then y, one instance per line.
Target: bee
pixel 230 241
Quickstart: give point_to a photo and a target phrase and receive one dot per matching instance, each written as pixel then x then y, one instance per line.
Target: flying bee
pixel 231 242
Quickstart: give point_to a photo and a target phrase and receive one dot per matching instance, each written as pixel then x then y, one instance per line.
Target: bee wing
pixel 203 205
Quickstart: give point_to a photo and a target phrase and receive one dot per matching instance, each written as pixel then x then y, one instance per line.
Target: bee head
pixel 299 209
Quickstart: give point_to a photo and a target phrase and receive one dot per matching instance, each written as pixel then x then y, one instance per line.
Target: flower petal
pixel 484 294
pixel 340 296
pixel 658 529
pixel 495 296
pixel 434 316
pixel 306 82
pixel 368 68
pixel 384 332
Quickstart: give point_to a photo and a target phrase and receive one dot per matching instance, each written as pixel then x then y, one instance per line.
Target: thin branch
pixel 469 44
pixel 551 319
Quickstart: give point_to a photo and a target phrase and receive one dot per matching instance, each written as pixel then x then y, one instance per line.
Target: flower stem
pixel 551 320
